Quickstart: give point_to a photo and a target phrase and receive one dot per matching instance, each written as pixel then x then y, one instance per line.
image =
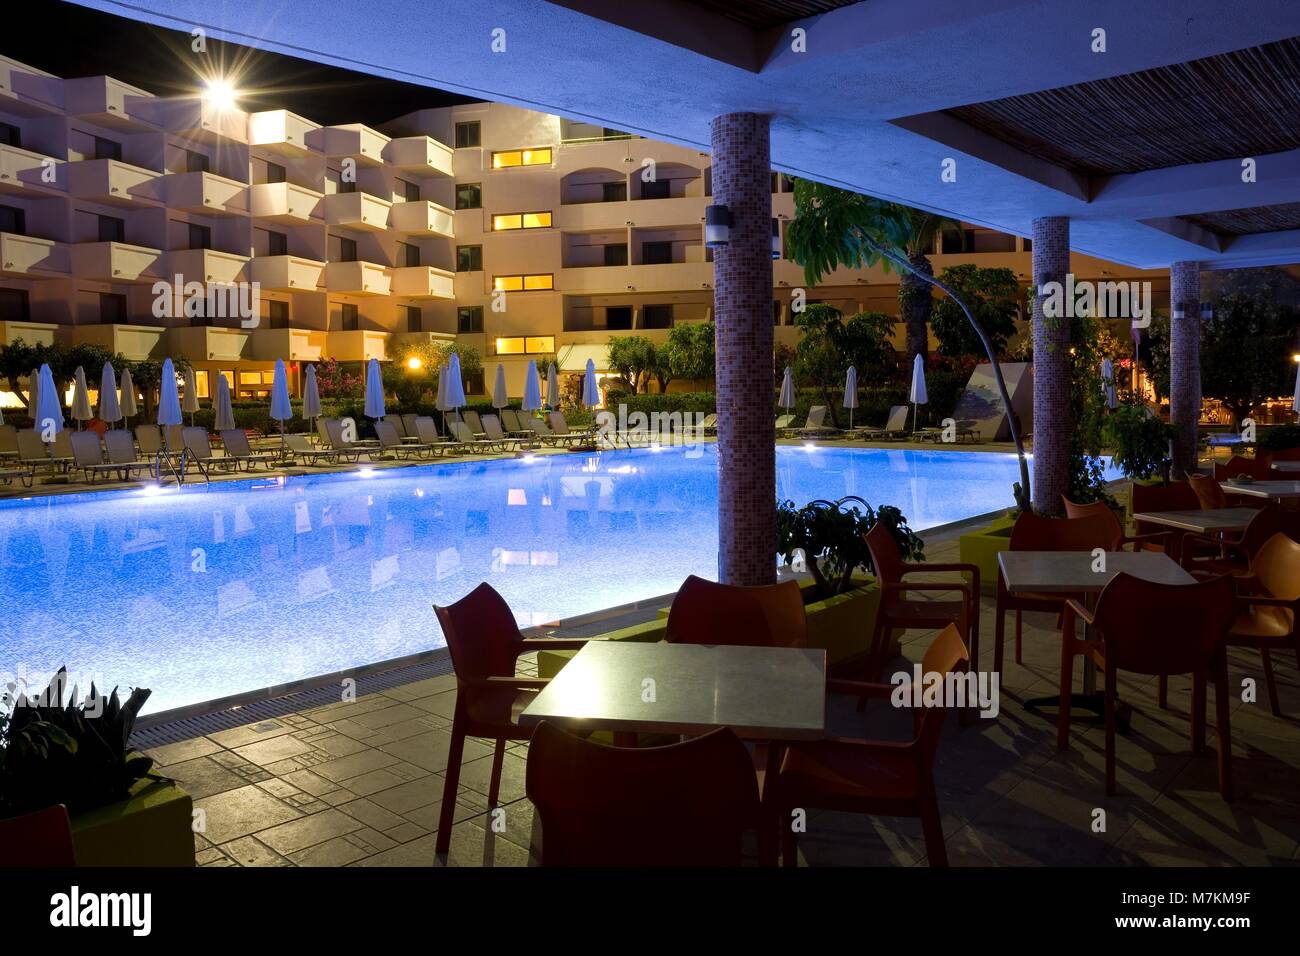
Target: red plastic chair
pixel 884 777
pixel 42 838
pixel 1161 629
pixel 1175 496
pixel 686 804
pixel 485 643
pixel 705 612
pixel 1269 610
pixel 1034 533
pixel 1104 513
pixel 1234 556
pixel 1208 492
pixel 1258 468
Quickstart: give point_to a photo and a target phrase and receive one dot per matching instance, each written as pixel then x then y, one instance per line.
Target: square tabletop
pixel 1202 522
pixel 1071 572
pixel 1285 466
pixel 1264 489
pixel 761 693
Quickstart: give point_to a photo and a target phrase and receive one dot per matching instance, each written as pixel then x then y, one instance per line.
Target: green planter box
pixel 152 827
pixel 981 548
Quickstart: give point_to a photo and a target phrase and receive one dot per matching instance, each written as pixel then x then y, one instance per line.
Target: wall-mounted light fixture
pixel 776 239
pixel 717 226
pixel 1207 311
pixel 1178 313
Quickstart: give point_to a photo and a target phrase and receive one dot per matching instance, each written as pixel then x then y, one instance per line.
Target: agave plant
pixel 57 750
pixel 830 535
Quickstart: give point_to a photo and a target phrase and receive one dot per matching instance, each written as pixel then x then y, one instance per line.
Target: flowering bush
pixel 333 381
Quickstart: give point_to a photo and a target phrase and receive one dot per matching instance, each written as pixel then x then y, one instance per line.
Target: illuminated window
pixel 540 156
pixel 531 283
pixel 525 345
pixel 521 220
pixel 539 343
pixel 514 346
pixel 201 384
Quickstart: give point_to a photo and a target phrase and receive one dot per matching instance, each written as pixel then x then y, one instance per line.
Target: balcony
pixel 422 218
pixel 27 257
pixel 357 211
pixel 281 131
pixel 358 345
pixel 290 345
pixel 354 141
pixel 681 211
pixel 419 154
pixel 196 118
pixel 357 278
pixel 31 333
pixel 28 92
pixel 286 203
pixel 208 343
pixel 111 182
pixel 109 103
pixel 669 277
pixel 206 265
pixel 136 343
pixel 21 169
pixel 423 282
pixel 286 273
pixel 116 262
pixel 205 193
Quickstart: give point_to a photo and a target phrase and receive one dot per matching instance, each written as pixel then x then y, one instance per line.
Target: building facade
pixel 125 218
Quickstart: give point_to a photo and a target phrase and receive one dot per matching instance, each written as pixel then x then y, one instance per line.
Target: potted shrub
pixel 77 753
pixel 1140 441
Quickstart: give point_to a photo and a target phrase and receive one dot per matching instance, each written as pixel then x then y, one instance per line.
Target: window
pixel 656 253
pixel 776 311
pixel 277 314
pixel 350 317
pixel 345 249
pixel 468 135
pixel 613 192
pixel 198 237
pixel 539 156
pixel 469 319
pixel 13 220
pixel 618 317
pixel 659 189
pixel 13 305
pixel 275 173
pixel 521 220
pixel 107 149
pixel 469 196
pixel 277 243
pixel 414 317
pixel 410 192
pixel 1028 244
pixel 194 162
pixel 526 283
pixel 525 345
pixel 10 135
pixel 469 258
pixel 112 307
pixel 658 317
pixel 616 254
pixel 408 255
pixel 111 229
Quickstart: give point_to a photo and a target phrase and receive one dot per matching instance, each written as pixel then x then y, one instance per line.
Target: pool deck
pixel 360 783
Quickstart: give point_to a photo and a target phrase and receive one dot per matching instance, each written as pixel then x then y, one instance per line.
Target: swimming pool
pixel 209 592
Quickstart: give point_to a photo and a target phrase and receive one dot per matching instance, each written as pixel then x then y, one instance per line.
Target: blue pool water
pixel 205 593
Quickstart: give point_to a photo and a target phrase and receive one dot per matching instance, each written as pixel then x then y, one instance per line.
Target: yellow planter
pixel 154 826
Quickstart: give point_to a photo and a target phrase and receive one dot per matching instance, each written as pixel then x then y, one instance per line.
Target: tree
pixel 17 359
pixel 993 296
pixel 829 345
pixel 690 351
pixel 635 360
pixel 834 227
pixel 915 291
pixel 147 377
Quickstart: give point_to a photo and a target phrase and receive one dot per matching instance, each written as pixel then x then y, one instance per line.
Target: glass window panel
pixel 532 283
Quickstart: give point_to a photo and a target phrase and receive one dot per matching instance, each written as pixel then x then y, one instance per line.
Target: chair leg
pixel 1162 691
pixel 454 755
pixel 1221 709
pixel 999 633
pixel 494 785
pixel 973 615
pixel 932 827
pixel 1066 687
pixel 1018 628
pixel 1111 680
pixel 1198 712
pixel 1270 682
pixel 876 656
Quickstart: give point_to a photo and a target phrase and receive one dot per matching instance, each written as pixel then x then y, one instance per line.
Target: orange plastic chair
pixel 884 777
pixel 1162 629
pixel 1104 513
pixel 485 643
pixel 1234 557
pixel 1208 492
pixel 1258 468
pixel 42 838
pixel 898 612
pixel 1266 617
pixel 1034 533
pixel 705 612
pixel 685 804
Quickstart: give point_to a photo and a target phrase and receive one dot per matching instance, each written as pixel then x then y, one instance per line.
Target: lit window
pixel 532 283
pixel 540 156
pixel 521 345
pixel 539 343
pixel 508 283
pixel 521 220
pixel 514 346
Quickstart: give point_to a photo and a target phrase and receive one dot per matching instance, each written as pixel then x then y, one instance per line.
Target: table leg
pixel 1091 701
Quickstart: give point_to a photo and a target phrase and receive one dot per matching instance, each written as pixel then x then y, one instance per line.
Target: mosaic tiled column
pixel 1184 361
pixel 1051 468
pixel 742 313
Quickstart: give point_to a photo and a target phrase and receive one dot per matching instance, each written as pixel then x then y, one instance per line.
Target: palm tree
pixel 914 295
pixel 834 227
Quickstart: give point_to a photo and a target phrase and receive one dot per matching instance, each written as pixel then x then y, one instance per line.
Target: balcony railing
pixel 286 273
pixel 422 218
pixel 357 278
pixel 281 131
pixel 116 262
pixel 205 192
pixel 357 211
pixel 285 202
pixel 421 154
pixel 423 282
pixel 31 258
pixel 206 265
pixel 111 181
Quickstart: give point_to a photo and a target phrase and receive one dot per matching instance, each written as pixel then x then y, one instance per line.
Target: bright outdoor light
pixel 220 94
pixel 414 363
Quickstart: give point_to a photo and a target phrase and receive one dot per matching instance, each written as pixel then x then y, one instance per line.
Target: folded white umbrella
pixel 455 386
pixel 281 407
pixel 918 395
pixel 786 400
pixel 49 411
pixel 1108 383
pixel 532 389
pixel 225 415
pixel 499 399
pixel 374 390
pixel 169 401
pixel 81 410
pixel 590 391
pixel 553 386
pixel 110 410
pixel 126 397
pixel 310 395
pixel 190 403
pixel 33 391
pixel 440 402
pixel 851 392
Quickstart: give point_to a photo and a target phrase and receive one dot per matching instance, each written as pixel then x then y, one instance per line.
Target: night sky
pixel 68 41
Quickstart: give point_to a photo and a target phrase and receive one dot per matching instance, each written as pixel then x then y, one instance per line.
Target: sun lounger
pixel 544 433
pixel 427 429
pixel 120 448
pixel 150 440
pixel 235 441
pixel 783 424
pixel 25 475
pixel 492 426
pixel 815 424
pixel 710 424
pixel 62 450
pixel 389 440
pixel 894 429
pixel 34 453
pixel 300 448
pixel 474 422
pixel 198 448
pixel 476 445
pixel 8 441
pixel 561 427
pixel 408 425
pixel 344 450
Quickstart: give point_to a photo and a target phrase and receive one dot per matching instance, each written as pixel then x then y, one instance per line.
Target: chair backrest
pixel 472 420
pixel 427 429
pixel 816 416
pixel 685 804
pixel 947 654
pixel 30 446
pixel 492 425
pixel 539 426
pixel 42 838
pixel 770 615
pixel 482 636
pixel 1268 521
pixel 1151 628
pixel 710 420
pixel 8 438
pixel 85 449
pixel 399 426
pixel 1208 492
pixel 461 432
pixel 174 435
pixel 120 446
pixel 322 428
pixel 1175 496
pixel 784 421
pixel 897 419
pixel 1033 532
pixel 1099 510
pixel 886 557
pixel 408 422
pixel 150 439
pixel 1257 468
pixel 236 442
pixel 297 442
pixel 334 434
pixel 1276 568
pixel 387 434
pixel 196 442
pixel 509 420
pixel 63 444
pixel 558 423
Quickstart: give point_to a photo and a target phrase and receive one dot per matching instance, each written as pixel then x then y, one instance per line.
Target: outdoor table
pixel 1071 573
pixel 1272 490
pixel 1286 467
pixel 1208 521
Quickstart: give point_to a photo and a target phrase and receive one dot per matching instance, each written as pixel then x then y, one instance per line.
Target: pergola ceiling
pixel 1246 222
pixel 1233 105
pixel 765 14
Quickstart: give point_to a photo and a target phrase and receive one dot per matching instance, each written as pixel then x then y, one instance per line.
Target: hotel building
pixel 522 234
